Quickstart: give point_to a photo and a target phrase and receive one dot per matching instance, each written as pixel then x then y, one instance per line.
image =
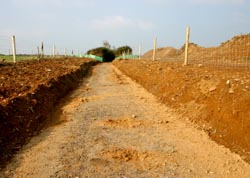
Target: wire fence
pixel 234 53
pixel 29 49
pixel 5 45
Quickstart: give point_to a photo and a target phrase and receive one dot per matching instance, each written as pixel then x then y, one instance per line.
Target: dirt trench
pixel 112 127
pixel 29 90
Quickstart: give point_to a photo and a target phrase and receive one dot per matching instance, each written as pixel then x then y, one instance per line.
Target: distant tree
pixel 123 49
pixel 107 54
pixel 106 44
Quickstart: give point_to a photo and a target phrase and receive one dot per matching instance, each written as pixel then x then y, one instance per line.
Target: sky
pixel 81 25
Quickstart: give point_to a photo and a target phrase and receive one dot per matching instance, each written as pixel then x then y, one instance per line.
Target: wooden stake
pixel 42 50
pixel 54 50
pixel 186 46
pixel 154 52
pixel 65 52
pixel 14 48
pixel 38 52
pixel 123 55
pixel 139 52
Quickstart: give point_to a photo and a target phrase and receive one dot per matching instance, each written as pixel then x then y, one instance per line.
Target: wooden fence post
pixel 139 52
pixel 38 53
pixel 14 48
pixel 186 46
pixel 42 50
pixel 54 50
pixel 154 52
pixel 65 52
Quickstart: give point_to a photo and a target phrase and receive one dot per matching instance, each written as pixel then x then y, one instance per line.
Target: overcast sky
pixel 85 24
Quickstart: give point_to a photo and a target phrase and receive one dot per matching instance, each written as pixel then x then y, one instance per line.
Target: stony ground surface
pixel 112 127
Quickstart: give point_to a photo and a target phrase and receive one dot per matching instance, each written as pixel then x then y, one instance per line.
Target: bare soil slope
pixel 217 99
pixel 167 52
pixel 28 92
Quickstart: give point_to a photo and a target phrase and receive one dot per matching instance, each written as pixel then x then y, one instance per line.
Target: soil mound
pixel 167 52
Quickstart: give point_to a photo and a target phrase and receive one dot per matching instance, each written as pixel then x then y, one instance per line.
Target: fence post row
pixel 14 48
pixel 39 49
pixel 186 46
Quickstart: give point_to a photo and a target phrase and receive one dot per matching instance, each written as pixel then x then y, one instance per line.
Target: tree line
pixel 109 54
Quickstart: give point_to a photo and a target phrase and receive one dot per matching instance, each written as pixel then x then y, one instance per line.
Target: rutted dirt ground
pixel 112 127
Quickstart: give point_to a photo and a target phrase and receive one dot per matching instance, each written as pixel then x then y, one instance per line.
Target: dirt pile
pixel 28 93
pixel 167 52
pixel 218 100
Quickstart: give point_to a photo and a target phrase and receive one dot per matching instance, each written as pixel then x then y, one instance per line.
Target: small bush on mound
pixel 107 54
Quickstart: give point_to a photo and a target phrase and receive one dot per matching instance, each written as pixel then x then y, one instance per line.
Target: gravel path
pixel 111 127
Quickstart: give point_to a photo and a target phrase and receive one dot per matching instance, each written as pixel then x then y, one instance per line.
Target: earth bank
pixel 28 93
pixel 217 99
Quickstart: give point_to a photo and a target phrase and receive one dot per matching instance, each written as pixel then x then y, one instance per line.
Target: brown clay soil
pixel 28 92
pixel 217 99
pixel 112 127
pixel 167 52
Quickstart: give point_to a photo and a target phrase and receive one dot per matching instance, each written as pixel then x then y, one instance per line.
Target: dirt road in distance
pixel 112 127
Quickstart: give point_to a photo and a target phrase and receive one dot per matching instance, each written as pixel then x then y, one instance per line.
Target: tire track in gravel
pixel 111 127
